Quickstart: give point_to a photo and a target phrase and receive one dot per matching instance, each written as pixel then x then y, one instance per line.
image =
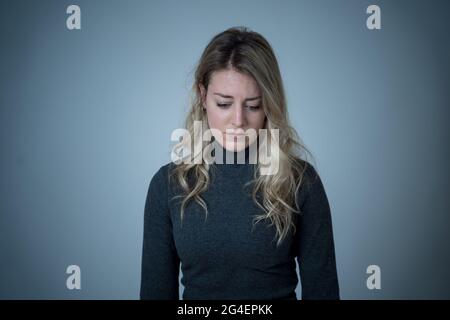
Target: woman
pixel 236 232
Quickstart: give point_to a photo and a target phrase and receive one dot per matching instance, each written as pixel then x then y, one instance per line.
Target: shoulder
pixel 309 174
pixel 160 179
pixel 158 187
pixel 165 180
pixel 162 174
pixel 311 185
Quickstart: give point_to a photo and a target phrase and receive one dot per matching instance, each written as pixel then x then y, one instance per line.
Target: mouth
pixel 240 133
pixel 235 137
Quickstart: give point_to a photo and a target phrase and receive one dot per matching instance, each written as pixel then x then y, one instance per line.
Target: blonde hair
pixel 248 52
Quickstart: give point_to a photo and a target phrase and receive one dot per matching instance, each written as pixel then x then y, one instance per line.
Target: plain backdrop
pixel 86 117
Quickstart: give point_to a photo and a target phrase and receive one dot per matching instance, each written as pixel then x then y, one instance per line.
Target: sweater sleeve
pixel 160 262
pixel 316 252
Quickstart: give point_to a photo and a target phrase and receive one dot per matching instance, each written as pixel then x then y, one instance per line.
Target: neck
pixel 230 157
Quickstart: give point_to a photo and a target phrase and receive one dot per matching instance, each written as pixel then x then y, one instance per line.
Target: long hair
pixel 247 52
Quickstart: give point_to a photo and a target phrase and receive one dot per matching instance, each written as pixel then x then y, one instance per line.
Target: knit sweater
pixel 224 254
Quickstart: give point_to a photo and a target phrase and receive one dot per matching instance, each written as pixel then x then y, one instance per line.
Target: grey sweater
pixel 224 255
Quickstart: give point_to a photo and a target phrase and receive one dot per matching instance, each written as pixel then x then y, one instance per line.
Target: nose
pixel 238 117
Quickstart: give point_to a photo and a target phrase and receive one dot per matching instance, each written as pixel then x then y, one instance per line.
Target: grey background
pixel 86 117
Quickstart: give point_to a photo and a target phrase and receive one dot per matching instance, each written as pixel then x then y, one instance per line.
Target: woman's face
pixel 233 103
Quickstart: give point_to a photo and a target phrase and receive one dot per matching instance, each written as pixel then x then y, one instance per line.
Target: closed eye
pixel 253 108
pixel 226 105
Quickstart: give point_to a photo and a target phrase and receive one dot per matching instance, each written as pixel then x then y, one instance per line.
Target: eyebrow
pixel 231 97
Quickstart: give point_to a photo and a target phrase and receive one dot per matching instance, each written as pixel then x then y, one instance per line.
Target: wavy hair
pixel 250 53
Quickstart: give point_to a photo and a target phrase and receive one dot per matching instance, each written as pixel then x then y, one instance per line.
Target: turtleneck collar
pixel 234 158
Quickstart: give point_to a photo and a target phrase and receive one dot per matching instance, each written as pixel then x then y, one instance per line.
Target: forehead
pixel 233 83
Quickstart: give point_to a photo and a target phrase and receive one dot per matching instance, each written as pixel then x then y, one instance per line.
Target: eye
pixel 253 108
pixel 223 105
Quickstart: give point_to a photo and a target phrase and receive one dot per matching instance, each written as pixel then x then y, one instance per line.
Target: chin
pixel 235 146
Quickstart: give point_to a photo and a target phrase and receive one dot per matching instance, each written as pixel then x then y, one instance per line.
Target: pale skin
pixel 233 105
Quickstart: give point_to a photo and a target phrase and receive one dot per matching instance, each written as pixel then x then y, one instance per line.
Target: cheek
pixel 216 118
pixel 257 121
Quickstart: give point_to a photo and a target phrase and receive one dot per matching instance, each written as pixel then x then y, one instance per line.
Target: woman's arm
pixel 160 262
pixel 316 253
